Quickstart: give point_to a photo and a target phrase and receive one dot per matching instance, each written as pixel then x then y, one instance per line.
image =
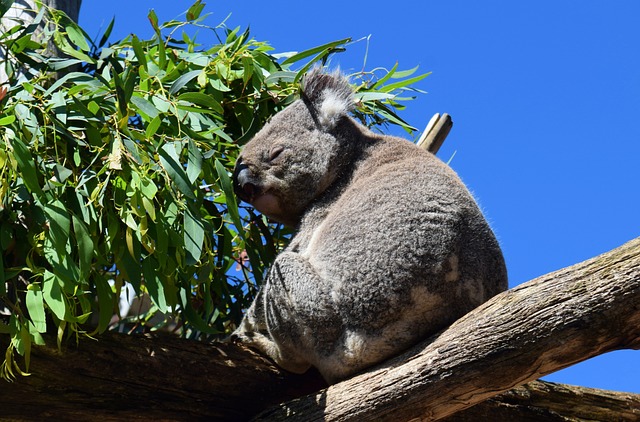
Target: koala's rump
pixel 396 249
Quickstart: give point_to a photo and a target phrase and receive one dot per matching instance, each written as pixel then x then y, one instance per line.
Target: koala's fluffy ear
pixel 329 95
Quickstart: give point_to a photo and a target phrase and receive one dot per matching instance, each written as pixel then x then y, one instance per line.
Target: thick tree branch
pixel 141 378
pixel 532 330
pixel 545 401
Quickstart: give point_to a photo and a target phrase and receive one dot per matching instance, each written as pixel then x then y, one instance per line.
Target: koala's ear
pixel 329 95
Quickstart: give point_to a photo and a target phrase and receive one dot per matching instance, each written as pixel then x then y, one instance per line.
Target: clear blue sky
pixel 545 98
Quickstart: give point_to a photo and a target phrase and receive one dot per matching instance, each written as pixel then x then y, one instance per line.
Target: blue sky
pixel 545 98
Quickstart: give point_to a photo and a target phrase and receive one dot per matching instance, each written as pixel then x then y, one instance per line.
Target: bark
pixel 544 401
pixel 520 335
pixel 534 329
pixel 141 378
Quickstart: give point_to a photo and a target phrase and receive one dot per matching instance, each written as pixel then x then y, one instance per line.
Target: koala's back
pixel 406 250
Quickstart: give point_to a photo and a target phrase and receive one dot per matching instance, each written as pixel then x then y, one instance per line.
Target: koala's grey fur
pixel 391 247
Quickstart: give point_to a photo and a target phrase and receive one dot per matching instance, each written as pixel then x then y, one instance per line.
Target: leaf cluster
pixel 114 176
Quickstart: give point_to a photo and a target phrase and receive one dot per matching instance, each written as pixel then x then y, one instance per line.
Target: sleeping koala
pixel 390 246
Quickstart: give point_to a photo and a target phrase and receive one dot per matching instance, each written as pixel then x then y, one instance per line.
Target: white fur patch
pixel 332 108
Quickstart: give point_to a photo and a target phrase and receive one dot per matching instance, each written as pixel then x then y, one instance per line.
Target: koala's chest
pixel 311 232
pixel 305 241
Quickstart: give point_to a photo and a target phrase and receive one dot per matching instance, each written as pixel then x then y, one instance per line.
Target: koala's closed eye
pixel 275 152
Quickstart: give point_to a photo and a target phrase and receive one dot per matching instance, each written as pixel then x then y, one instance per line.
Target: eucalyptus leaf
pixel 170 161
pixel 193 235
pixel 35 306
pixel 182 80
pixel 145 107
pixel 53 296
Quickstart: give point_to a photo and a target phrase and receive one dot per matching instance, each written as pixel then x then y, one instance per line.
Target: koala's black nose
pixel 243 184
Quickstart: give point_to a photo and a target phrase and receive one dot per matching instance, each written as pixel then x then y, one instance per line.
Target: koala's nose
pixel 243 184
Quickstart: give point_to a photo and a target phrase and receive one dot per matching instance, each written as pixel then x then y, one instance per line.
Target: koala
pixel 390 246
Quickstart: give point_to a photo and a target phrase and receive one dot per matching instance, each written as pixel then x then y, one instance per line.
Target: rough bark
pixel 138 378
pixel 520 335
pixel 544 401
pixel 534 329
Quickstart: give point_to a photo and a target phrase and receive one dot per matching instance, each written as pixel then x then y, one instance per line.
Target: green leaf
pixel 105 303
pixel 154 284
pixel 145 107
pixel 35 306
pixel 403 83
pixel 137 49
pixel 193 236
pixel 148 188
pixel 280 76
pixel 62 43
pixel 77 37
pixel 193 316
pixel 53 296
pixel 203 100
pixel 153 126
pixel 404 73
pixel 182 80
pixel 194 164
pixel 386 77
pixel 372 96
pixel 27 166
pixel 232 204
pixel 7 120
pixel 59 225
pixel 85 246
pixel 194 11
pixel 24 347
pixel 153 19
pixel 307 53
pixel 107 33
pixel 170 161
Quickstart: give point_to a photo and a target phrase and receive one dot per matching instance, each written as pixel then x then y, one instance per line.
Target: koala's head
pixel 295 157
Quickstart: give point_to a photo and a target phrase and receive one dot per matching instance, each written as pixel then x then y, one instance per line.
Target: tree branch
pixel 141 378
pixel 550 402
pixel 532 330
pixel 435 133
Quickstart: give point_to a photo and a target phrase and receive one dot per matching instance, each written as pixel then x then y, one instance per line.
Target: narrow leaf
pixel 35 306
pixel 194 11
pixel 154 284
pixel 27 166
pixel 105 303
pixel 145 107
pixel 53 296
pixel 203 100
pixel 170 161
pixel 85 246
pixel 304 54
pixel 182 80
pixel 107 33
pixel 232 204
pixel 139 52
pixel 194 165
pixel 193 236
pixel 77 37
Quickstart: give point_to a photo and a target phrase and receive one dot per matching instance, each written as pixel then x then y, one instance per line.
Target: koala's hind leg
pixel 293 319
